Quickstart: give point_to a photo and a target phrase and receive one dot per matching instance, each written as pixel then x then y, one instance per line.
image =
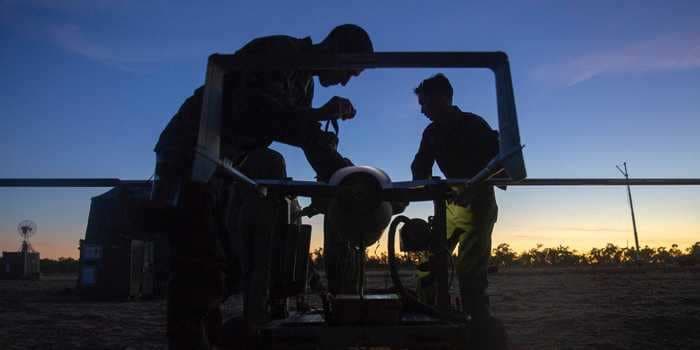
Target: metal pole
pixel 629 196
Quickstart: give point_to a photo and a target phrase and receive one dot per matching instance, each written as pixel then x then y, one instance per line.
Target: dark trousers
pixel 196 288
pixel 197 259
pixel 471 233
pixel 253 224
pixel 216 226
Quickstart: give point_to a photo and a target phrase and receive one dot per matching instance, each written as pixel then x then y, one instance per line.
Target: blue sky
pixel 87 86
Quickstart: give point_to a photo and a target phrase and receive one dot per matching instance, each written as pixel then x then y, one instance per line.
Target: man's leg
pixel 265 163
pixel 473 253
pixel 194 316
pixel 257 221
pixel 196 287
pixel 472 265
pixel 458 220
pixel 425 283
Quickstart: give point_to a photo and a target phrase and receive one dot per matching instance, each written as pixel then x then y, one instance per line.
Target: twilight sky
pixel 87 86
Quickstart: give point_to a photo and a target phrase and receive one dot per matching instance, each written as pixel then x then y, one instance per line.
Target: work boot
pixel 487 331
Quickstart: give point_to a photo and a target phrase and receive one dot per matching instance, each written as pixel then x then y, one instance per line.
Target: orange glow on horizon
pixel 662 229
pixel 70 250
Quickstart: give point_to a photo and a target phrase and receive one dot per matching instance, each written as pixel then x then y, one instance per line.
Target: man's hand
pixel 337 108
pixel 460 195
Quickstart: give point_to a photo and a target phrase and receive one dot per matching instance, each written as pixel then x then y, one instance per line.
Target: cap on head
pixel 437 85
pixel 349 38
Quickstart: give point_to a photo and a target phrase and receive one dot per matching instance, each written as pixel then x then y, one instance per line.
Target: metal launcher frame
pixel 415 330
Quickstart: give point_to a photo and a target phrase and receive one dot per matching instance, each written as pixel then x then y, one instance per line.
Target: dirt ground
pixel 549 308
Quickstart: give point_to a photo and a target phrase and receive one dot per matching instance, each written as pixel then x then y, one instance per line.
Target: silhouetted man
pixel 267 106
pixel 462 144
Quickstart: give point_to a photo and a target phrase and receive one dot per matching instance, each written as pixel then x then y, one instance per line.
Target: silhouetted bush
pixel 610 255
pixel 503 256
pixel 62 265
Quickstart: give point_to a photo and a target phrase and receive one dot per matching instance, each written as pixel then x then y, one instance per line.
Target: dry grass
pixel 550 308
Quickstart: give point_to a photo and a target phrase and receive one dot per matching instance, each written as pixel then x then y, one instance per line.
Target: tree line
pixel 60 265
pixel 505 256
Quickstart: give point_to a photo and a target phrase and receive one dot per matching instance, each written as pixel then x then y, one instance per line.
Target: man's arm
pixel 277 96
pixel 422 166
pixel 336 108
pixel 272 95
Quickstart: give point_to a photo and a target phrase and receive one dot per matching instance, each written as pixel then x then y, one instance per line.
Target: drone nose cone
pixel 358 214
pixel 359 226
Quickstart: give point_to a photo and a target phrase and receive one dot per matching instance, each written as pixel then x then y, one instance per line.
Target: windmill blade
pixel 26 229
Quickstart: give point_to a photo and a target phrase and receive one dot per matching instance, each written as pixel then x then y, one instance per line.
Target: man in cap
pixel 266 106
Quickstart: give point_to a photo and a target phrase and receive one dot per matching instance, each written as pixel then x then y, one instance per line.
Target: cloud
pixel 62 23
pixel 18 12
pixel 73 39
pixel 70 38
pixel 666 53
pixel 76 6
pixel 38 20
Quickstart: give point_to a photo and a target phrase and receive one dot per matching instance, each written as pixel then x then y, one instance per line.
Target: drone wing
pixel 425 190
pixel 67 182
pixel 598 182
pixel 298 188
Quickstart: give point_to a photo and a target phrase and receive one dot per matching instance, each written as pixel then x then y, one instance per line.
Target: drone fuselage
pixel 357 212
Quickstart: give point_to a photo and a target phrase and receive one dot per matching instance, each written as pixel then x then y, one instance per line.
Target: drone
pixel 355 189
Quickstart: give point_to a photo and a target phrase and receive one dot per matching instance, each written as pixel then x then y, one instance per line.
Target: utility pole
pixel 629 196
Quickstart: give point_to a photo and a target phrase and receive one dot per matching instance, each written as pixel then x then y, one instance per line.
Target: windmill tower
pixel 25 263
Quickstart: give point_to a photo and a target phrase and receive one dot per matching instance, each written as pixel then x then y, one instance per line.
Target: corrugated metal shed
pixel 20 265
pixel 118 258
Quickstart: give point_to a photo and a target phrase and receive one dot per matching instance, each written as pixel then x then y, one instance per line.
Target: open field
pixel 550 308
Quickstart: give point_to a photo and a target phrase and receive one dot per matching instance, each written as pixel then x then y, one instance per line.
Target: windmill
pixel 26 229
pixel 22 264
